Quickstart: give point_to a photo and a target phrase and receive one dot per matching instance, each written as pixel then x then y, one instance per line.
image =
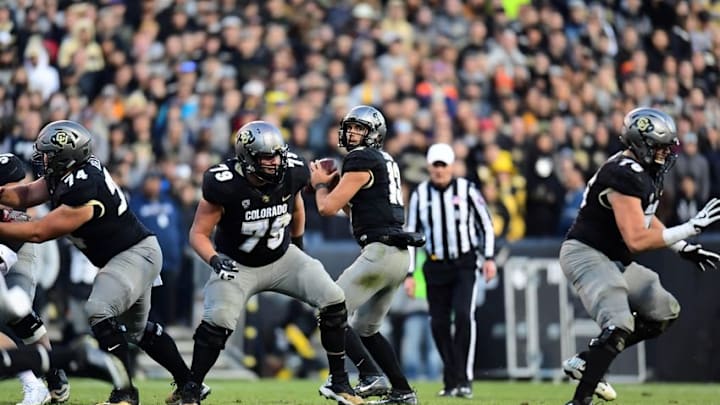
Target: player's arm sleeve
pixel 626 179
pixel 358 161
pixel 84 192
pixel 482 217
pixel 212 190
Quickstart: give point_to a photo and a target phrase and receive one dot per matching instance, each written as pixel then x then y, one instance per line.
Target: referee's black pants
pixel 451 297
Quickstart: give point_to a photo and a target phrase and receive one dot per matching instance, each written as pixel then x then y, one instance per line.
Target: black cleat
pixel 340 392
pixel 398 397
pixel 464 391
pixel 58 385
pixel 127 396
pixel 190 394
pixel 175 397
pixel 372 386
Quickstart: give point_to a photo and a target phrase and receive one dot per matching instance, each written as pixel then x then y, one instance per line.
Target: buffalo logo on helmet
pixel 62 138
pixel 644 124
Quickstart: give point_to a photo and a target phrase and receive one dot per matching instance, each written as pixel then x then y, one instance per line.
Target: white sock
pixel 28 378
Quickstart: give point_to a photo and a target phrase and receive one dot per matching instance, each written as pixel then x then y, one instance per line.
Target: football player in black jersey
pixel 30 329
pixel 254 205
pixel 616 220
pixel 91 210
pixel 370 191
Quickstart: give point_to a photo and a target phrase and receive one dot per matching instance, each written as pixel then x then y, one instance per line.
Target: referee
pixel 460 241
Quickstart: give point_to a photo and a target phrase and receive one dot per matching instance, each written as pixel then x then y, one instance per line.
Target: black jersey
pixel 377 209
pixel 595 224
pixel 253 229
pixel 113 227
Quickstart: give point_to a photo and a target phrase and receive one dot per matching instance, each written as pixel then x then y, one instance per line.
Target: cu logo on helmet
pixel 62 138
pixel 644 125
pixel 247 138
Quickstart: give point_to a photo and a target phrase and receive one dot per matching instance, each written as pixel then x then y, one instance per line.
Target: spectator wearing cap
pixel 451 212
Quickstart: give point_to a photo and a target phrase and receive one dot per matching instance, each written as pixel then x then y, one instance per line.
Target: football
pixel 330 165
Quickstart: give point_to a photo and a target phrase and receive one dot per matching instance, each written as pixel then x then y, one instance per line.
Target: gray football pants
pixel 610 295
pixel 23 274
pixel 370 284
pixel 122 287
pixel 295 274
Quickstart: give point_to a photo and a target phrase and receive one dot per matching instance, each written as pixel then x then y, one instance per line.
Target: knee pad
pixel 29 328
pixel 211 336
pixel 152 332
pixel 333 317
pixel 109 333
pixel 648 329
pixel 612 339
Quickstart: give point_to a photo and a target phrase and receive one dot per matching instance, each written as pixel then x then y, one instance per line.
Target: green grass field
pixel 304 392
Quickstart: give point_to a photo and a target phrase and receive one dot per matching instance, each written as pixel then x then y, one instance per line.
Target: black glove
pixel 224 266
pixel 704 259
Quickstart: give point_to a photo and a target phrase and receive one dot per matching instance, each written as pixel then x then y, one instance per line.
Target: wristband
pixel 677 233
pixel 297 241
pixel 318 186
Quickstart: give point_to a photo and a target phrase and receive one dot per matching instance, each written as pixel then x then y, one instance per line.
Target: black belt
pixel 400 240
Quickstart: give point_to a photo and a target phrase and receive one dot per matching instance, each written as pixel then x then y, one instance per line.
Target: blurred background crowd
pixel 531 94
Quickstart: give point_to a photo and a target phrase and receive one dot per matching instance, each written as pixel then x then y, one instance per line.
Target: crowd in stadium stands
pixel 531 94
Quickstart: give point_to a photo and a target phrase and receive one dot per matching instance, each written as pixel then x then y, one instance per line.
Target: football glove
pixel 10 215
pixel 224 266
pixel 707 216
pixel 704 259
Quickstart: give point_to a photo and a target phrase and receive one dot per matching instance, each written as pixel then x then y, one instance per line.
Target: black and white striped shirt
pixel 454 220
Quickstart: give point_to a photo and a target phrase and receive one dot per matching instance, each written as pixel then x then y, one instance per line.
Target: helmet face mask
pixel 652 137
pixel 262 152
pixel 371 120
pixel 59 147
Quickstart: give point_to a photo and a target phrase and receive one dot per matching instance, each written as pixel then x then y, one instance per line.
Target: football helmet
pixel 259 139
pixel 368 117
pixel 646 131
pixel 60 146
pixel 12 169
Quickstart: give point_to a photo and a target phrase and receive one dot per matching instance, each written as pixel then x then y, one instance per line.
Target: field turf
pixel 304 392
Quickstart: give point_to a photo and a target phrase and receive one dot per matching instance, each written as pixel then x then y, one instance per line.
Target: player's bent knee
pixel 211 336
pixel 611 338
pixel 30 328
pixel 150 335
pixel 109 333
pixel 649 329
pixel 333 316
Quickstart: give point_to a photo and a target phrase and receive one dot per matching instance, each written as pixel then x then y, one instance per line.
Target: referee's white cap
pixel 441 152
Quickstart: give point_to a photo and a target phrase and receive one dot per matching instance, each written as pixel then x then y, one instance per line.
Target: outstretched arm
pixel 25 195
pixel 61 221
